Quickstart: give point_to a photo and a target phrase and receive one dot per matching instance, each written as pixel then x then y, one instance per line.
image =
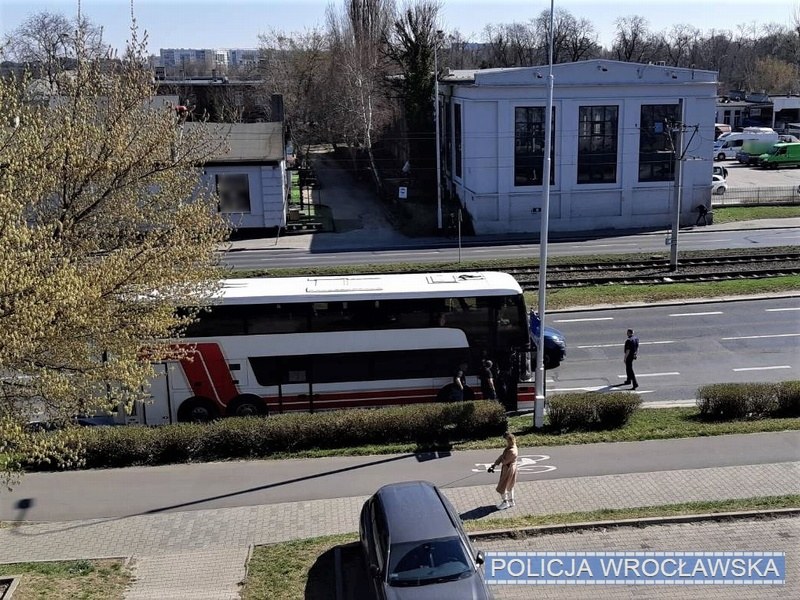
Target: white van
pixel 728 145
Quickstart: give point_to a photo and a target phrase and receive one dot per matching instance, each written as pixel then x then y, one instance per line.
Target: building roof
pixel 584 72
pixel 247 142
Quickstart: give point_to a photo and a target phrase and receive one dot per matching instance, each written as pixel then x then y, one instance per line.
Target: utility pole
pixel 676 138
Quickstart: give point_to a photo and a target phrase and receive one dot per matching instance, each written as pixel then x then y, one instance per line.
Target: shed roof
pixel 247 142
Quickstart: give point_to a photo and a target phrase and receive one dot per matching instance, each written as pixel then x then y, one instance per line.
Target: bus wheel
pixel 196 410
pixel 246 406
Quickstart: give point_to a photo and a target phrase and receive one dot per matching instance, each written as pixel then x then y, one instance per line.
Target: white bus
pixel 272 345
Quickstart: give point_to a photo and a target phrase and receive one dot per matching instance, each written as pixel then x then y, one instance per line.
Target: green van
pixel 782 155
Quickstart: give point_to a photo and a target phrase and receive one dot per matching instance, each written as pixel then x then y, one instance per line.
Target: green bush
pixel 729 401
pixel 615 409
pixel 788 399
pixel 591 410
pixel 254 437
pixel 571 412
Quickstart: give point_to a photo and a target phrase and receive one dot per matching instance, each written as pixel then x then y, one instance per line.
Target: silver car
pixel 415 546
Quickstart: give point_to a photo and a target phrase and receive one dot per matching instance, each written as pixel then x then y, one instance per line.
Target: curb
pixel 638 522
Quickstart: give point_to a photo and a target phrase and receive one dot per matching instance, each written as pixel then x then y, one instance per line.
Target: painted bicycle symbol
pixel 525 464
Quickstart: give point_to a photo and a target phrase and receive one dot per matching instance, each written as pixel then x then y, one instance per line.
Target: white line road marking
pixel 582 320
pixel 699 314
pixel 580 389
pixel 763 368
pixel 619 344
pixel 651 375
pixel 756 337
pixel 782 309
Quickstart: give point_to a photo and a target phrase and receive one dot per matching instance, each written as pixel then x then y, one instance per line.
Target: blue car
pixel 415 546
pixel 555 346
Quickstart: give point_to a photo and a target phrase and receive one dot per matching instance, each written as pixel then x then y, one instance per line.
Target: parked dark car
pixel 555 345
pixel 415 546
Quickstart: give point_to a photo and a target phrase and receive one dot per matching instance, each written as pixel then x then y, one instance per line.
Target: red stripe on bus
pixel 322 403
pixel 208 373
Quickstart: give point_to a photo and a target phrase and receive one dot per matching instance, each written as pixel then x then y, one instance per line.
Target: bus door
pixel 158 411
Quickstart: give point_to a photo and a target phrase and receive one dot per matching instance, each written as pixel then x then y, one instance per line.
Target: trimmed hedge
pixel 580 412
pixel 258 437
pixel 730 401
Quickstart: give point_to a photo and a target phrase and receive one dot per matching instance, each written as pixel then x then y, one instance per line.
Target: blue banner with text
pixel 635 568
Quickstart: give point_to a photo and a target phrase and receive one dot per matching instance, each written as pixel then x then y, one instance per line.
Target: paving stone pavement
pixel 200 554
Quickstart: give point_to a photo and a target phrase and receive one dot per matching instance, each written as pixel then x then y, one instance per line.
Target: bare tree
pixel 573 39
pixel 297 66
pixel 357 34
pixel 414 39
pixel 46 40
pixel 633 41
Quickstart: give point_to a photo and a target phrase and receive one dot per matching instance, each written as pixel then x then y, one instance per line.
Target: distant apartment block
pixel 206 59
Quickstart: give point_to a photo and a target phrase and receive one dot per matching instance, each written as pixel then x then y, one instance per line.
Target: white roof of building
pixel 592 72
pixel 367 287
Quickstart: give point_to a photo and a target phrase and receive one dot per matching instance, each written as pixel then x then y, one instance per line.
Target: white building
pixel 250 178
pixel 613 160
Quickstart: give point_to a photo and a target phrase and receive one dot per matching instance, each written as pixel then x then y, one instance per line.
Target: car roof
pixel 414 511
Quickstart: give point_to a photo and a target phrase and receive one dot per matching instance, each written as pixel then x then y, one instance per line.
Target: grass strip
pixel 66 580
pixel 733 214
pixel 283 571
pixel 614 514
pixel 616 295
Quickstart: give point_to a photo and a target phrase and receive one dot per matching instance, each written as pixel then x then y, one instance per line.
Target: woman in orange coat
pixel 508 471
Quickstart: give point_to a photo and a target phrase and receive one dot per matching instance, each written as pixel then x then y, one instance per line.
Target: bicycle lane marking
pixel 525 464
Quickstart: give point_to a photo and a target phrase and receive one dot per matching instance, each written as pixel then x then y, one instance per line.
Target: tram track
pixel 656 271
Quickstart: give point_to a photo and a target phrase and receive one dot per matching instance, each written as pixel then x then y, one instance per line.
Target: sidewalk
pixel 202 554
pixel 382 236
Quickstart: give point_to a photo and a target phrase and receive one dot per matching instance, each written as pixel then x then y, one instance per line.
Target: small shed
pixel 250 176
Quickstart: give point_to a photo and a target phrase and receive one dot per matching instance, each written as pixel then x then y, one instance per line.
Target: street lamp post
pixel 437 38
pixel 538 413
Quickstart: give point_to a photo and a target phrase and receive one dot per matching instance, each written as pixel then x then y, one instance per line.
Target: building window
pixel 529 145
pixel 457 135
pixel 656 155
pixel 597 144
pixel 234 193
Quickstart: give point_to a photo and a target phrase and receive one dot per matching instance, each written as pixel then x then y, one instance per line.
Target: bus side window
pixel 276 318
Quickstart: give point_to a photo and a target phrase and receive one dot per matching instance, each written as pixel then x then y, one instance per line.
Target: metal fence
pixel 757 195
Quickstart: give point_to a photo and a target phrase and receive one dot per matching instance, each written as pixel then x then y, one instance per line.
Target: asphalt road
pixel 682 346
pixel 423 252
pixel 125 492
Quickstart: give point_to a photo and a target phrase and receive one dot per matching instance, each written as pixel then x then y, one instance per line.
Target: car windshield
pixel 431 561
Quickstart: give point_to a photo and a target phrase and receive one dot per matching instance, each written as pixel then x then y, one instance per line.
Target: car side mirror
pixel 480 558
pixel 374 570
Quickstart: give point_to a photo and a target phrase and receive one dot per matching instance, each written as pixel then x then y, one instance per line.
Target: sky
pixel 237 23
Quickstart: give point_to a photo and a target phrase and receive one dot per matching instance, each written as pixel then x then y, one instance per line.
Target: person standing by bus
pixel 508 471
pixel 631 351
pixel 459 383
pixel 488 390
